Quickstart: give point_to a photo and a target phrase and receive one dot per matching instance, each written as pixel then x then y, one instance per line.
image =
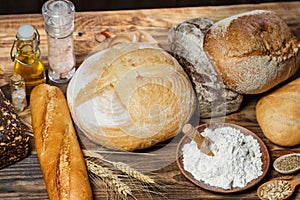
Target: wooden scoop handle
pixel 193 134
pixel 295 182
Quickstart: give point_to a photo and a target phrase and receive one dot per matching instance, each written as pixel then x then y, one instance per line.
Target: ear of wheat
pixel 109 178
pixel 133 173
pixel 126 169
pixel 134 178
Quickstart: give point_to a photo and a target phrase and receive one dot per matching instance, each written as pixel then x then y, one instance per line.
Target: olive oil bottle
pixel 27 57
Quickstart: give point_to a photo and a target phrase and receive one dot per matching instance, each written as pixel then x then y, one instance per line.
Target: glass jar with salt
pixel 18 93
pixel 59 24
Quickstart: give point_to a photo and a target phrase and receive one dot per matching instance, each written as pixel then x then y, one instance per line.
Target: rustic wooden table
pixel 24 180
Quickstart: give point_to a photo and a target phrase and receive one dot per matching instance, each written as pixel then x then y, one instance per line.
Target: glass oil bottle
pixel 27 57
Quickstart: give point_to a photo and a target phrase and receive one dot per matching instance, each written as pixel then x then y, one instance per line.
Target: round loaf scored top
pixel 131 96
pixel 252 51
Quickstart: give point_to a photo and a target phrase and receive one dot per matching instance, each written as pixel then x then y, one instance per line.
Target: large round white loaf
pixel 252 51
pixel 130 96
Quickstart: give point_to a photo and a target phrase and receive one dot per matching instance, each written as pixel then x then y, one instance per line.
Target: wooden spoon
pixel 202 142
pixel 283 188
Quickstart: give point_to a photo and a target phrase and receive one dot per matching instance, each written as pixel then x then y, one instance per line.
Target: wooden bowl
pixel 189 176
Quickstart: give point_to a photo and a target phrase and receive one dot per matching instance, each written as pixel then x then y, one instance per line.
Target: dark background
pixel 34 6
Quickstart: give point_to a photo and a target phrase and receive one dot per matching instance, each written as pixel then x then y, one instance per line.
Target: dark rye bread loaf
pixel 186 44
pixel 252 51
pixel 14 143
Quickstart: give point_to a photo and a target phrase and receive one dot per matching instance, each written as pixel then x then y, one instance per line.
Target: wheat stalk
pixel 126 169
pixel 109 178
pixel 129 173
pixel 91 154
pixel 133 172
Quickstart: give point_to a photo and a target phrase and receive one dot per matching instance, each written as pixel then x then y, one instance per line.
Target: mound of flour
pixel 237 159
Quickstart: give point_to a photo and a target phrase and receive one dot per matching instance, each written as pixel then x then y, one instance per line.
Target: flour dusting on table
pixel 237 159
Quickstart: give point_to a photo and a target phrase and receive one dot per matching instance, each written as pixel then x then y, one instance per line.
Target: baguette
pixel 57 147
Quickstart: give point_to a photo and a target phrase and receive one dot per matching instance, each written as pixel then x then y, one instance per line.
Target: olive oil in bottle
pixel 27 58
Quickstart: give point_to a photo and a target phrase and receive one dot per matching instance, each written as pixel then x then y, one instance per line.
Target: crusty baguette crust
pixel 278 114
pixel 57 147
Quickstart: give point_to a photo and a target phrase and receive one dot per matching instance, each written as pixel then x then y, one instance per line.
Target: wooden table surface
pixel 24 180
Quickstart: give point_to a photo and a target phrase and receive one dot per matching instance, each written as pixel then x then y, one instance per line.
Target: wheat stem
pixel 133 172
pixel 110 179
pixel 126 169
pixel 91 154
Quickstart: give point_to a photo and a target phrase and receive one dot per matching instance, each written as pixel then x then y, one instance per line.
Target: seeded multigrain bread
pixel 278 114
pixel 14 142
pixel 252 51
pixel 57 147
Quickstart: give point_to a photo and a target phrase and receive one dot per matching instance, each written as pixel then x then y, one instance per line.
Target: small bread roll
pixel 278 114
pixel 57 147
pixel 252 51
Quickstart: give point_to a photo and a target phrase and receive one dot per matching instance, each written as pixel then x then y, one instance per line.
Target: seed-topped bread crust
pixel 14 142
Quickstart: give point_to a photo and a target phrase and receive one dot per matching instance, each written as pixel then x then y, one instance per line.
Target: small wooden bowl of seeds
pixel 287 164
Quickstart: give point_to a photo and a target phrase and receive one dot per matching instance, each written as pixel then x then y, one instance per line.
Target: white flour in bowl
pixel 237 159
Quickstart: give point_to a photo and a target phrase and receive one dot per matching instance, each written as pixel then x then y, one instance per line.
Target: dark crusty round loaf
pixel 186 44
pixel 14 142
pixel 252 51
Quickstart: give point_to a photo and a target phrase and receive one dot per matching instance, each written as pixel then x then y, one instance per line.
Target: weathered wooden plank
pixel 24 180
